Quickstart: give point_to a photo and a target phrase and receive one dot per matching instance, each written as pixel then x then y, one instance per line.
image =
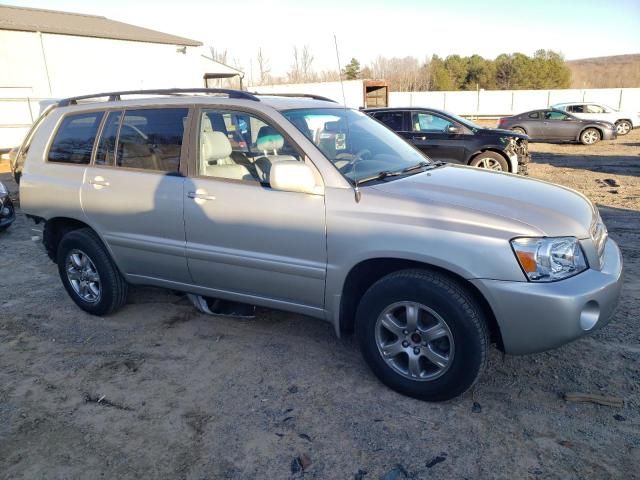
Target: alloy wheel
pixel 622 128
pixel 590 137
pixel 414 341
pixel 83 276
pixel 490 163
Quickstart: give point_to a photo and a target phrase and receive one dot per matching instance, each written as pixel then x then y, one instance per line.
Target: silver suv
pixel 303 205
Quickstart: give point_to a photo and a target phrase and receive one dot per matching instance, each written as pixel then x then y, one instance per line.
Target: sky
pixel 368 28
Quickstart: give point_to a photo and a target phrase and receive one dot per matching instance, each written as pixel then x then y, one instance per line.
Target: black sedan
pixel 555 126
pixel 447 137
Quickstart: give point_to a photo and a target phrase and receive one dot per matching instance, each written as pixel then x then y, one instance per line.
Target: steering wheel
pixel 351 159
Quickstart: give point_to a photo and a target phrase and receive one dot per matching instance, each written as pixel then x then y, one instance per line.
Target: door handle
pixel 419 137
pixel 200 195
pixel 99 182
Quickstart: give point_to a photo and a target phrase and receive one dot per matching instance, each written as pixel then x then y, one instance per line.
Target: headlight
pixel 549 259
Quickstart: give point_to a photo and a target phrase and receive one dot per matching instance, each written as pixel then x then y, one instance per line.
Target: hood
pixel 510 203
pixel 502 131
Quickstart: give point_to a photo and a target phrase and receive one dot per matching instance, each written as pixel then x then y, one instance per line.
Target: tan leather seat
pixel 215 148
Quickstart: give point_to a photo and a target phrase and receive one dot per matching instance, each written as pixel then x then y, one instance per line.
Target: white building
pixel 48 54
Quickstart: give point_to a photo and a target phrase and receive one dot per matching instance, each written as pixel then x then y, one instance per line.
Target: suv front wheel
pixel 88 274
pixel 422 334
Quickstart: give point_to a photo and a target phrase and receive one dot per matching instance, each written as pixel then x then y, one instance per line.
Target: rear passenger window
pixel 106 152
pixel 151 139
pixel 393 120
pixel 534 115
pixel 74 139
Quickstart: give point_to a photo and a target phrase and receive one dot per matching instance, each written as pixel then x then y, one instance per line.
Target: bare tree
pixel 264 68
pixel 305 64
pixel 219 56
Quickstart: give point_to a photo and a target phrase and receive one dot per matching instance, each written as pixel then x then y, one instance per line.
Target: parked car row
pixel 304 205
pixel 446 137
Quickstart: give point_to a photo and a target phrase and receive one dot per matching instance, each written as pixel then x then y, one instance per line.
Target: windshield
pixel 359 146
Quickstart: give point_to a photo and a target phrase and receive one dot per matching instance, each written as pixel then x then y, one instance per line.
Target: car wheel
pixel 88 273
pixel 422 335
pixel 491 161
pixel 590 136
pixel 519 130
pixel 623 127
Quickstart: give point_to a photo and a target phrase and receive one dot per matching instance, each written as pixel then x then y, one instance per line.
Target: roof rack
pixel 114 96
pixel 296 95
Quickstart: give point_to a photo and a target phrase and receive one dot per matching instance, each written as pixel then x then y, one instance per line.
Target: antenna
pixel 346 119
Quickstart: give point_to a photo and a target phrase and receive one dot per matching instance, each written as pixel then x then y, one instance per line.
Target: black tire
pixel 590 136
pixel 484 158
pixel 113 287
pixel 519 130
pixel 456 307
pixel 623 127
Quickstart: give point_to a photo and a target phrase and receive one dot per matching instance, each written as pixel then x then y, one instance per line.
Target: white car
pixel 624 121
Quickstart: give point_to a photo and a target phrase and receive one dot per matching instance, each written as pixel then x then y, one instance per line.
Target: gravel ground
pixel 160 391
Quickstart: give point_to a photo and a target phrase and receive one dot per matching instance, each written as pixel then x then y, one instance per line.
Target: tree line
pixel 545 69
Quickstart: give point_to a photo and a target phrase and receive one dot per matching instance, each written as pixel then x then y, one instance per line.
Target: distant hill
pixel 604 72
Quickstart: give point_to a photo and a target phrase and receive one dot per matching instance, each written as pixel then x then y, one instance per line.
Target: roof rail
pixel 114 96
pixel 296 95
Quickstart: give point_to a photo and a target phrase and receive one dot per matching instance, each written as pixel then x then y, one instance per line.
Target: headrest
pixel 269 139
pixel 218 145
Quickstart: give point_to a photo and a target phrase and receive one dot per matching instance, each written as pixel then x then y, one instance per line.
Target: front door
pixel 560 126
pixel 132 192
pixel 430 133
pixel 246 241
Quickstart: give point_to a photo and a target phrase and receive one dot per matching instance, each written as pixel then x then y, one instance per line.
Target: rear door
pixel 534 124
pixel 132 192
pixel 429 131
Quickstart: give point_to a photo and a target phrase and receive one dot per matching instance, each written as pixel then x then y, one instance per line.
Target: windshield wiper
pixel 395 173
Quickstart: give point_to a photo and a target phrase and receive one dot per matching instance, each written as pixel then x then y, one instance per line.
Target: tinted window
pixel 239 146
pixel 555 116
pixel 575 108
pixel 429 122
pixel 534 115
pixel 594 109
pixel 73 142
pixel 106 152
pixel 151 139
pixel 393 120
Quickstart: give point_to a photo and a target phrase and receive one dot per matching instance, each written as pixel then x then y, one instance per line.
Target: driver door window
pixel 429 122
pixel 239 146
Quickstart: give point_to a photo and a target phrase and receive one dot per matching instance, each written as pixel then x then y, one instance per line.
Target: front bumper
pixel 534 317
pixel 609 134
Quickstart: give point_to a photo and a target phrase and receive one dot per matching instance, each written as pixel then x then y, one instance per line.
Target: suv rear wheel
pixel 88 274
pixel 490 161
pixel 422 334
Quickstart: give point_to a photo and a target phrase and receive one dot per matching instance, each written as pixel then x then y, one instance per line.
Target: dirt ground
pixel 160 391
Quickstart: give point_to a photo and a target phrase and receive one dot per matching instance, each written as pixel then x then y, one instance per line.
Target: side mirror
pixel 453 129
pixel 293 176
